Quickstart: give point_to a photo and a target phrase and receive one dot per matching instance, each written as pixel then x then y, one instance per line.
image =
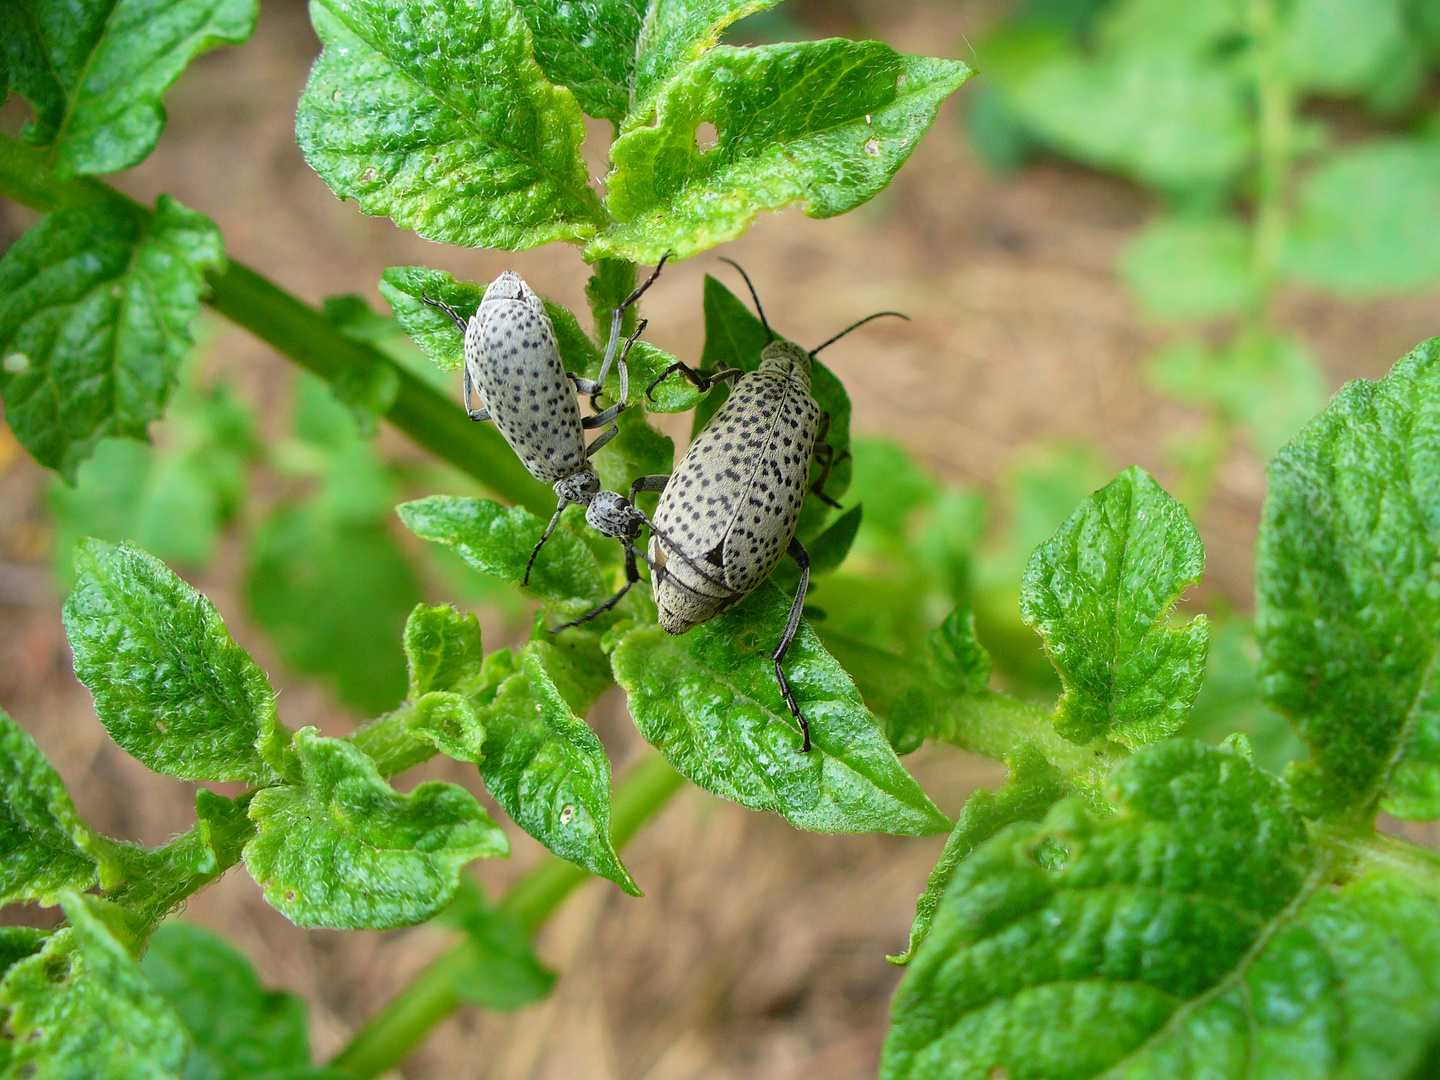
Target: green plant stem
pixel 393 1032
pixel 302 333
pixel 1275 154
pixel 991 724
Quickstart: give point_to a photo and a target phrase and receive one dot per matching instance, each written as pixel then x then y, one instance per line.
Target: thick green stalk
pixel 302 333
pixel 1275 154
pixel 393 1032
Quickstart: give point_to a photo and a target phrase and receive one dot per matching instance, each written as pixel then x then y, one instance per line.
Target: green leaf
pixel 81 1007
pixel 343 849
pixel 828 550
pixel 589 47
pixel 95 71
pixel 829 393
pixel 1359 223
pixel 708 701
pixel 1340 46
pixel 1186 935
pixel 442 647
pixel 1271 385
pixel 1348 592
pixel 546 767
pixel 44 845
pixel 502 971
pixel 823 123
pixel 332 588
pixel 95 311
pixel 430 328
pixel 1174 120
pixel 677 34
pixel 238 1029
pixel 734 338
pixel 1099 593
pixel 18 942
pixel 1033 786
pixel 438 117
pixel 954 665
pixel 497 540
pixel 170 685
pixel 1230 699
pixel 1191 267
pixel 450 723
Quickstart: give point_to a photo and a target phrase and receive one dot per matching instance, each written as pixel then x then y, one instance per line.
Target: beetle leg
pixel 825 454
pixel 601 439
pixel 555 520
pixel 632 575
pixel 792 625
pixel 447 309
pixel 617 317
pixel 703 380
pixel 473 413
pixel 602 418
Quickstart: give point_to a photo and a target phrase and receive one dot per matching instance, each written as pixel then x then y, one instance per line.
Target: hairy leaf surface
pixel 1188 935
pixel 546 767
pixel 589 46
pixel 709 702
pixel 824 123
pixel 1032 787
pixel 95 70
pixel 677 33
pixel 442 648
pixel 1348 591
pixel 497 540
pixel 81 1007
pixel 343 849
pixel 170 685
pixel 430 328
pixel 1099 592
pixel 44 844
pixel 437 116
pixel 95 312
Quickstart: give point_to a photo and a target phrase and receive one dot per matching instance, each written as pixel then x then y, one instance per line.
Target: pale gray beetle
pixel 512 361
pixel 728 513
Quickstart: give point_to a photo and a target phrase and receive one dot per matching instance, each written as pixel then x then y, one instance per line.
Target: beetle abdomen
pixel 734 500
pixel 516 367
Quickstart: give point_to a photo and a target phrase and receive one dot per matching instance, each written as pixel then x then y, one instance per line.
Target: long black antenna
pixel 856 326
pixel 753 296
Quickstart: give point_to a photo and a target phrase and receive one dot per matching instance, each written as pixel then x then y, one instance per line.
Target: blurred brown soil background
pixel 758 950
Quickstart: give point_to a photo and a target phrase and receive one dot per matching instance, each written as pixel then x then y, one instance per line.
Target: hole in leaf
pixel 161 727
pixel 872 147
pixel 567 814
pixel 368 176
pixel 706 137
pixel 17 363
pixel 289 896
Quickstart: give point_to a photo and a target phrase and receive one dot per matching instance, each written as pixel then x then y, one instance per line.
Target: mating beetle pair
pixel 727 514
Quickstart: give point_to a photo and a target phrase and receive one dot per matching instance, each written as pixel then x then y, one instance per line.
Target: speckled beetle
pixel 728 513
pixel 513 362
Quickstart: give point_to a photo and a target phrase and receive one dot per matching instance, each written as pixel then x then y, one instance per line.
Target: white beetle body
pixel 513 362
pixel 733 502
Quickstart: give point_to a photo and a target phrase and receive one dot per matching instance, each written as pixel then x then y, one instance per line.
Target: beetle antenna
pixel 856 326
pixel 674 551
pixel 753 296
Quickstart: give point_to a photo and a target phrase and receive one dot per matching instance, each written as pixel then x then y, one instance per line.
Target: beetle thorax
pixel 580 487
pixel 787 359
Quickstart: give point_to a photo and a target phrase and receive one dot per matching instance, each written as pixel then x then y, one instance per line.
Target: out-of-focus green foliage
pixel 1212 103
